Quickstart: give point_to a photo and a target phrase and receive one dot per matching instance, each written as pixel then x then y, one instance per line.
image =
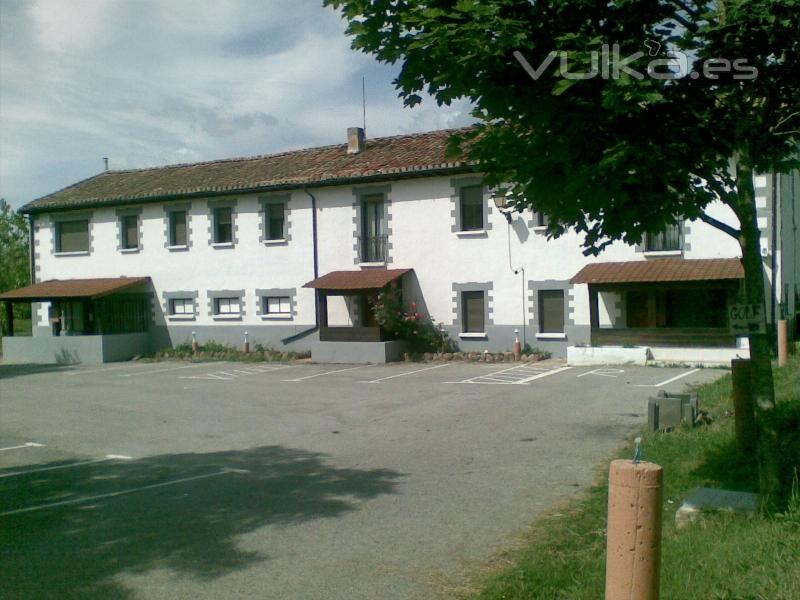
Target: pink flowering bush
pixel 405 322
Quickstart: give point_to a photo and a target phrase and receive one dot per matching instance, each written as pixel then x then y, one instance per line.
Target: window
pixel 551 311
pixel 177 228
pixel 668 239
pixel 540 219
pixel 275 215
pixel 276 305
pixel 223 225
pixel 473 307
pixel 181 306
pixel 72 236
pixel 129 226
pixel 227 306
pixel 373 238
pixel 471 208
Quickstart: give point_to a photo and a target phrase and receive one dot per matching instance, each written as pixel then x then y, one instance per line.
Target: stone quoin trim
pixel 456 183
pixel 71 216
pixel 763 189
pixel 212 295
pixel 129 212
pixel 291 293
pixel 171 208
pixel 264 202
pixel 223 203
pixel 488 303
pixel 358 195
pixel 167 296
pixel 534 287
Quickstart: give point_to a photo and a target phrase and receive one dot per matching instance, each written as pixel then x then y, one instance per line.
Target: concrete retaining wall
pixel 78 349
pixel 357 352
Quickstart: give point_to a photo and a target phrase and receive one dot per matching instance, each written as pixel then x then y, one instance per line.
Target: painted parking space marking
pixel 82 463
pixel 223 471
pixel 25 445
pixel 517 375
pixel 132 367
pixel 194 366
pixel 613 373
pixel 236 373
pixel 681 376
pixel 321 374
pixel 406 373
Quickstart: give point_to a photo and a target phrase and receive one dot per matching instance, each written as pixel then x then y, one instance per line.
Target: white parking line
pixel 540 375
pixel 229 376
pixel 67 466
pixel 223 471
pixel 25 445
pixel 681 376
pixel 120 368
pixel 321 374
pixel 163 370
pixel 602 373
pixel 407 373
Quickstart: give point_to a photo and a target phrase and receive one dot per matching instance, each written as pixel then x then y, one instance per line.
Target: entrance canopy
pixel 663 270
pixel 352 281
pixel 57 289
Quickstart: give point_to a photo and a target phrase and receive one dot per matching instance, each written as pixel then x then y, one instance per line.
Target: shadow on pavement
pixel 7 371
pixel 75 550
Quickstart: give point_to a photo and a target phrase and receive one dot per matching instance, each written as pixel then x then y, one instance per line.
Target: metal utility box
pixel 666 411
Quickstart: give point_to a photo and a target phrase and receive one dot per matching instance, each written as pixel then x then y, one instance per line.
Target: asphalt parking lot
pixel 292 481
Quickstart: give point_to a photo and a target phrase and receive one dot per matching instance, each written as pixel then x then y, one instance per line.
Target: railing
pixel 372 248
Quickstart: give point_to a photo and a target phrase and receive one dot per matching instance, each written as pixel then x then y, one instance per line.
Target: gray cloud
pixel 148 82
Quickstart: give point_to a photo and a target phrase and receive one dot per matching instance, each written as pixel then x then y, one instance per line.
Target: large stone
pixel 706 500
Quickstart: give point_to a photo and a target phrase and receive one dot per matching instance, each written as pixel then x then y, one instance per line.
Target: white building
pixel 229 245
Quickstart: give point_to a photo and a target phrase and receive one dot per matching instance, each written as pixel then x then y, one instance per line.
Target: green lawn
pixel 725 557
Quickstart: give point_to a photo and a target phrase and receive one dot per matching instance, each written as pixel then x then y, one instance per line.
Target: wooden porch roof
pixel 368 279
pixel 55 289
pixel 660 270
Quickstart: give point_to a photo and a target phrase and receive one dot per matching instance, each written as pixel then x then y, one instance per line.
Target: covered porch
pixel 88 321
pixel 664 305
pixel 348 330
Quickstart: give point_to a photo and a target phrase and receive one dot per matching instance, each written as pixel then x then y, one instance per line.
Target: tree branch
pixel 725 228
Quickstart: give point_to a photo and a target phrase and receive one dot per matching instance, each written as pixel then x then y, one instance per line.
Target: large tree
pixel 14 244
pixel 624 152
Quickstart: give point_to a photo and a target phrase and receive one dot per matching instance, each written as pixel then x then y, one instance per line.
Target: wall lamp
pixel 501 202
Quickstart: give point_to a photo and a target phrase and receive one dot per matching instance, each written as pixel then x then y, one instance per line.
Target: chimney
pixel 356 140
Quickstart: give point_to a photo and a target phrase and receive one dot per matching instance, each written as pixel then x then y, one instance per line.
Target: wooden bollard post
pixel 783 342
pixel 246 347
pixel 633 554
pixel 517 349
pixel 743 408
pixel 195 346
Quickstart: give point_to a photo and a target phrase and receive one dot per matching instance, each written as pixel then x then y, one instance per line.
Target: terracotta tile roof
pixel 73 288
pixel 661 270
pixel 384 158
pixel 369 279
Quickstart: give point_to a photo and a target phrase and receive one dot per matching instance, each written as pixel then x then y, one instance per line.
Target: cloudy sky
pixel 153 82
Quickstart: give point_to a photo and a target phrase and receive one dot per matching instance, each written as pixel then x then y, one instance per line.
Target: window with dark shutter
pixel 130 232
pixel 473 307
pixel 72 236
pixel 275 218
pixel 551 311
pixel 177 228
pixel 223 225
pixel 667 239
pixel 471 208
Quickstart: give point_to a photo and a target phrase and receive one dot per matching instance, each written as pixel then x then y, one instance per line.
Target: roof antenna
pixel 105 160
pixel 364 103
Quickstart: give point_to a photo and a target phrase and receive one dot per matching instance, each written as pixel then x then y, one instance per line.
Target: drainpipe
pixel 315 244
pixel 524 301
pixel 31 252
pixel 773 257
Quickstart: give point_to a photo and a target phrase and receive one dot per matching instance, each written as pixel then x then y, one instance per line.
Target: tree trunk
pixel 760 346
